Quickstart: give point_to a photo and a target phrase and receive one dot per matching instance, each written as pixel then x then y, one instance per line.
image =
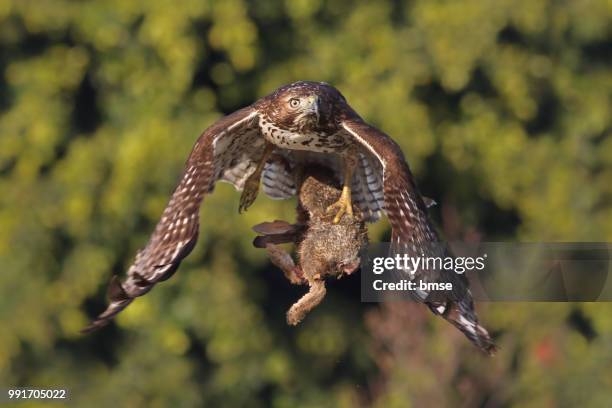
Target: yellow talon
pixel 249 192
pixel 343 205
pixel 251 186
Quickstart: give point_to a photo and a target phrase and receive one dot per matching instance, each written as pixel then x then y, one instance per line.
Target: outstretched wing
pixel 403 204
pixel 413 232
pixel 227 151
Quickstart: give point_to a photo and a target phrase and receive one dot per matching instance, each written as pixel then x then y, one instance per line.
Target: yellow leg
pixel 251 186
pixel 344 204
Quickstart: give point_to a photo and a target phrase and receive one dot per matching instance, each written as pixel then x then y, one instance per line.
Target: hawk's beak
pixel 315 105
pixel 310 113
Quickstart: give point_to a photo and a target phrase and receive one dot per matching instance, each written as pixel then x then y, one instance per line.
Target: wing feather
pixel 278 179
pixel 367 188
pixel 225 151
pixel 413 233
pixel 403 204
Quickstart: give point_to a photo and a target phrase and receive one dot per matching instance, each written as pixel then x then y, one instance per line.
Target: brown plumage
pixel 300 124
pixel 324 249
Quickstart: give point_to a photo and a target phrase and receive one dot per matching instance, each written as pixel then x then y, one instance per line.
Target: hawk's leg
pixel 344 204
pixel 315 295
pixel 283 260
pixel 251 186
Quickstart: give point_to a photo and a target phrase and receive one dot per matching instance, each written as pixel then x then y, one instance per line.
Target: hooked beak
pixel 314 106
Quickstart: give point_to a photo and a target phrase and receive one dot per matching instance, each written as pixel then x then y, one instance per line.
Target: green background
pixel 503 109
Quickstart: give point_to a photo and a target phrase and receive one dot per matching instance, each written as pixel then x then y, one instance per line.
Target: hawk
pixel 268 142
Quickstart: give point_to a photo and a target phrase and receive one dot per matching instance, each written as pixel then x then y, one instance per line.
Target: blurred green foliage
pixel 503 109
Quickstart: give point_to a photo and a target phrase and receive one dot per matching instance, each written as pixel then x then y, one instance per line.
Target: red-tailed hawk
pixel 268 141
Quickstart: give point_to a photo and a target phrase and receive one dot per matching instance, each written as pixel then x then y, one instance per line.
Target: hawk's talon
pixel 251 186
pixel 249 192
pixel 343 206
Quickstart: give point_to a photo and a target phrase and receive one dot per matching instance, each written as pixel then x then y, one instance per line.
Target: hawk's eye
pixel 294 102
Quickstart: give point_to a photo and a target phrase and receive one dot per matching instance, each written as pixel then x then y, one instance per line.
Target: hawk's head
pixel 304 106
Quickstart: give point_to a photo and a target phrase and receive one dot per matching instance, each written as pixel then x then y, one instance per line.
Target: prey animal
pixel 300 124
pixel 324 248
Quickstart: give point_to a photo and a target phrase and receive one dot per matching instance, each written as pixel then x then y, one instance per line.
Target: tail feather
pixel 119 300
pixel 463 317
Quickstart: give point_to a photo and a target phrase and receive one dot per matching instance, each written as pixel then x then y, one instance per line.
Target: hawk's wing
pixel 403 204
pixel 413 233
pixel 226 151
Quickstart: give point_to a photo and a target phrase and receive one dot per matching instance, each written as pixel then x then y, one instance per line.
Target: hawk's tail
pixel 119 300
pixel 462 316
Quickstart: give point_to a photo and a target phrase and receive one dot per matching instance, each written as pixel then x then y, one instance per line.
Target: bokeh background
pixel 502 107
